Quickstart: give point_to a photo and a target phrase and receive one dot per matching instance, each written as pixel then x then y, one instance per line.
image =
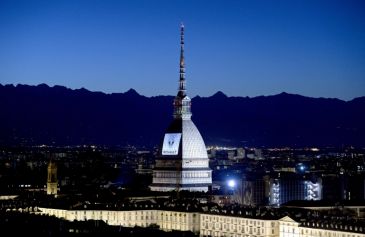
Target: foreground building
pixel 182 163
pixel 213 224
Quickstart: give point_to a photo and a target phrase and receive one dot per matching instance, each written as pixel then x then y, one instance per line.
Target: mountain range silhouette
pixel 32 115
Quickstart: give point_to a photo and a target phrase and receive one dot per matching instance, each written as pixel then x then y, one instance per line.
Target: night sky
pixel 243 48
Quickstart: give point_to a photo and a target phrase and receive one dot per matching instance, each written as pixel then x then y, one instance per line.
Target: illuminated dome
pixel 191 144
pixel 182 162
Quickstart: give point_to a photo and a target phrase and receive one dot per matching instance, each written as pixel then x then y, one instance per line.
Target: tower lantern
pixel 52 178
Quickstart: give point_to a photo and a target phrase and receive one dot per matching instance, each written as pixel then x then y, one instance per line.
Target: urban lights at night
pixel 231 183
pixel 301 167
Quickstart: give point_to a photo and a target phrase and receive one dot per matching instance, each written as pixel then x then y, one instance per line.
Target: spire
pixel 182 103
pixel 182 89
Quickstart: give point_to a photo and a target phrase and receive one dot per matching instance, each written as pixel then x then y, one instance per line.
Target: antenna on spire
pixel 182 62
pixel 182 103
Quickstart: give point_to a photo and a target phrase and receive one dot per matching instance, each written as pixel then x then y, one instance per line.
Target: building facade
pixel 285 189
pixel 166 220
pixel 207 224
pixel 220 225
pixel 182 162
pixel 52 181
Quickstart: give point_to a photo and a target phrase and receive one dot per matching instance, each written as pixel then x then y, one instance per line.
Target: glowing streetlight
pixel 231 183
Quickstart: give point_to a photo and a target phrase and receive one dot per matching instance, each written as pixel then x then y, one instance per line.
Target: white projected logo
pixel 171 143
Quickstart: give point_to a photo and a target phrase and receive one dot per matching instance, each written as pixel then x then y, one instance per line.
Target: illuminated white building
pixel 207 224
pixel 166 220
pixel 182 163
pixel 222 225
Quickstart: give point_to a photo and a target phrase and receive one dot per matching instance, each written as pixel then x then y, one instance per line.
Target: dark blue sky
pixel 243 48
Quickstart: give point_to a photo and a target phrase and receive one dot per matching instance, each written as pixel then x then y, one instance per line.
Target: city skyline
pixel 241 48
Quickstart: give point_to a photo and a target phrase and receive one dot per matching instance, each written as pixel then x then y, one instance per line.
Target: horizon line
pixel 219 92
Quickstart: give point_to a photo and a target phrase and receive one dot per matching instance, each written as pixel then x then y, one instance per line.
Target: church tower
pixel 52 179
pixel 182 162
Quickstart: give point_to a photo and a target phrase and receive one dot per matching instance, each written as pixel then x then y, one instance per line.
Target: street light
pixel 231 183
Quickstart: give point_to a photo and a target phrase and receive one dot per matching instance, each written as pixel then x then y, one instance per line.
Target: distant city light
pixel 301 167
pixel 231 183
